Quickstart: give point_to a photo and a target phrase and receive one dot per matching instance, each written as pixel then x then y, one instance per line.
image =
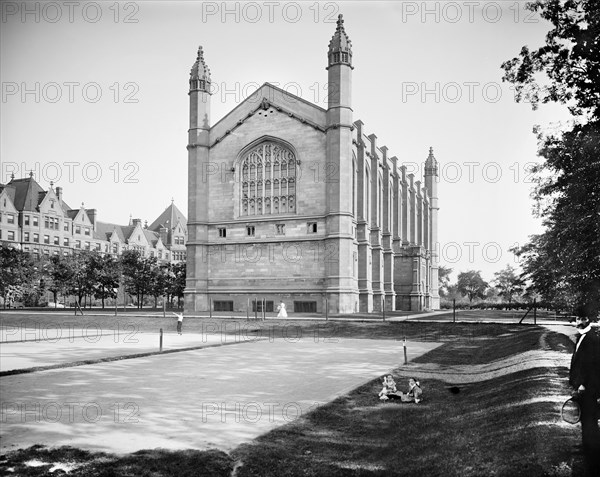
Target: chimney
pixel 91 213
pixel 163 231
pixel 136 222
pixel 58 192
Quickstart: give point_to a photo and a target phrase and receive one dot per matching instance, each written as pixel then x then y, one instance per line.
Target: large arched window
pixel 268 180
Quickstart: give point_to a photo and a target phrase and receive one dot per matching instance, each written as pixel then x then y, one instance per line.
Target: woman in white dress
pixel 281 309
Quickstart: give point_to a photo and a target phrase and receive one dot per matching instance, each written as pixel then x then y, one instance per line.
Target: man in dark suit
pixel 584 377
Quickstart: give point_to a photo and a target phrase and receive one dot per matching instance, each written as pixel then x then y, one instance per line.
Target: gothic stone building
pixel 289 201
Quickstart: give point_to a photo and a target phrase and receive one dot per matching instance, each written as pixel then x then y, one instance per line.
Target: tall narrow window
pixel 268 180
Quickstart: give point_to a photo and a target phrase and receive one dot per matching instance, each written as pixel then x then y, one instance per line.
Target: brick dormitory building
pixel 40 222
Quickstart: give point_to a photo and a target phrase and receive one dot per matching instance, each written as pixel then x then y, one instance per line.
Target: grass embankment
pixel 509 425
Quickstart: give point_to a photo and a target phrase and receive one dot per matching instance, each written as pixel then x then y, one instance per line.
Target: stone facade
pixel 289 201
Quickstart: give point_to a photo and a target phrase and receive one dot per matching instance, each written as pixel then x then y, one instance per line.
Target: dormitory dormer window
pixel 268 180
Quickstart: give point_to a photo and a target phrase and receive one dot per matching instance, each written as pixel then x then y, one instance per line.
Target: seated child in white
pixel 389 386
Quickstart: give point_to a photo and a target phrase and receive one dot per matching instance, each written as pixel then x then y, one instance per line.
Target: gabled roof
pixel 127 230
pixel 265 97
pixel 10 191
pixel 169 219
pixel 151 237
pixel 104 231
pixel 82 211
pixel 28 194
pixel 66 209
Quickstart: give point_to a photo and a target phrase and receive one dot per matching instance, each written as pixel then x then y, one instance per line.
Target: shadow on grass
pixel 41 461
pixel 506 426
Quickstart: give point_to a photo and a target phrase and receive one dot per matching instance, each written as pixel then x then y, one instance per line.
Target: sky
pixel 94 99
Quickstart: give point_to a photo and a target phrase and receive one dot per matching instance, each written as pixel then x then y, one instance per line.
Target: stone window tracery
pixel 268 180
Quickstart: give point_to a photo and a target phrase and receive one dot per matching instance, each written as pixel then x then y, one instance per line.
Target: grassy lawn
pixel 506 426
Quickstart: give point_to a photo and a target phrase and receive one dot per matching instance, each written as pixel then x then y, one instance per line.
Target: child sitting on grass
pixel 389 386
pixel 414 393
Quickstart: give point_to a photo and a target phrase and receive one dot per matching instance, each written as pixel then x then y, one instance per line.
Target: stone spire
pixel 431 164
pixel 200 74
pixel 340 46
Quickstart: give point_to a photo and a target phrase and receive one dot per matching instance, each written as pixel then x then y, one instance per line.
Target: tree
pixel 80 283
pixel 137 272
pixel 471 284
pixel 161 277
pixel 491 294
pixel 104 273
pixel 444 279
pixel 59 274
pixel 570 58
pixel 563 263
pixel 508 283
pixel 178 282
pixel 17 272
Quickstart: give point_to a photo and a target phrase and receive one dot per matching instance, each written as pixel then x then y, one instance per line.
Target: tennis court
pixel 213 397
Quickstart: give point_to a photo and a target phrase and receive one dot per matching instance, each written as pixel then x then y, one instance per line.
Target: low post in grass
pixel 404 346
pixel 160 340
pixel 116 290
pixel 454 310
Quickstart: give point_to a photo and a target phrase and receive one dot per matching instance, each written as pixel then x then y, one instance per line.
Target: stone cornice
pixel 340 125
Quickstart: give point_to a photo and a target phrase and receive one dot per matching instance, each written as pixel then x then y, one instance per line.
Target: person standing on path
pixel 584 378
pixel 281 309
pixel 179 321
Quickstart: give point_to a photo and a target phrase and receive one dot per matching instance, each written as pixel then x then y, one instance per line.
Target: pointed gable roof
pixel 169 218
pixel 265 97
pixel 127 231
pixel 10 191
pixel 28 194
